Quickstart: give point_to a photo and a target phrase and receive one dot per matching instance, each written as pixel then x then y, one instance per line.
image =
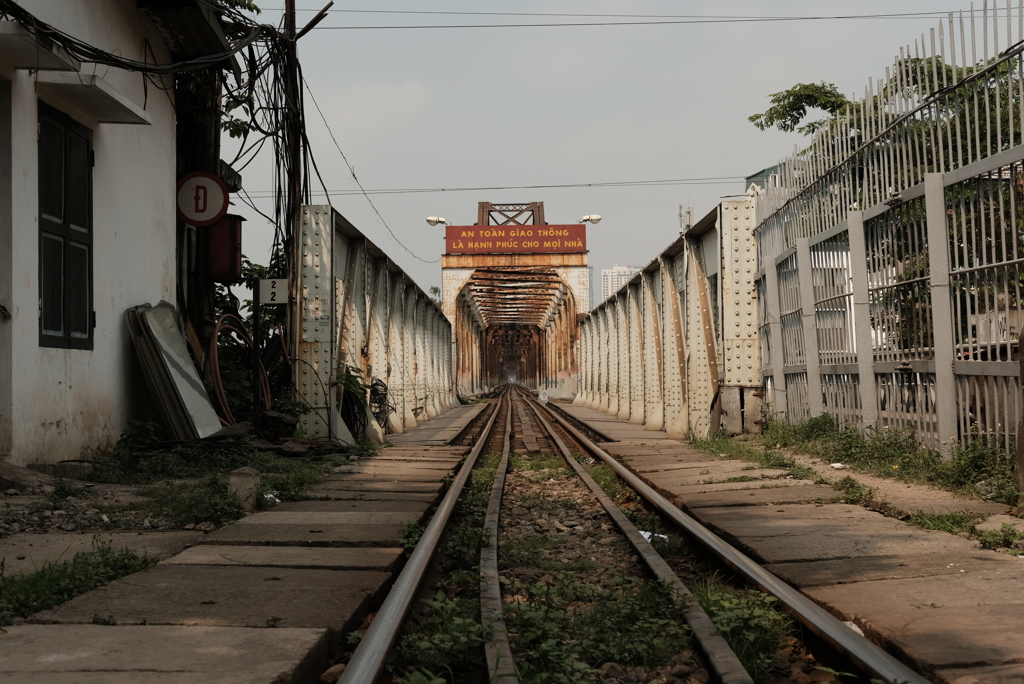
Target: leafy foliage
pixel 748 621
pixel 411 535
pixel 194 503
pixel 449 636
pixel 853 491
pixel 1001 538
pixel 789 107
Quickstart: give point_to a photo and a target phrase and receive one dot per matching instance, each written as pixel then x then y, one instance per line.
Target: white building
pixel 614 278
pixel 87 225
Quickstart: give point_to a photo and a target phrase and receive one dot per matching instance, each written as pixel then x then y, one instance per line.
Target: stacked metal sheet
pixel 174 382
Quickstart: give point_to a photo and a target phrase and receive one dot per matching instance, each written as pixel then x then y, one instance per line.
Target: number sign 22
pixel 274 291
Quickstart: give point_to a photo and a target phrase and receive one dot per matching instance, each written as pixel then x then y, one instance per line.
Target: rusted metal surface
pixel 516 315
pixel 516 325
pixel 910 208
pixel 359 312
pixel 529 213
pixel 675 349
pixel 498 260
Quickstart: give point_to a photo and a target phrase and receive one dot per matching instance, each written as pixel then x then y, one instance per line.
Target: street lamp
pixel 434 220
pixel 592 218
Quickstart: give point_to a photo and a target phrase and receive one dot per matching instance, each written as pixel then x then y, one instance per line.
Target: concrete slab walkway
pixel 310 570
pixel 611 426
pixel 440 429
pixel 938 601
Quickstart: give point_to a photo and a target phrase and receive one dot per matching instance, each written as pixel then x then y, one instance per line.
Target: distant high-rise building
pixel 614 278
pixel 590 288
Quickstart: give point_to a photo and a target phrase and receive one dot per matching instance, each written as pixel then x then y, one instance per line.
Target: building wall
pixel 61 403
pixel 6 271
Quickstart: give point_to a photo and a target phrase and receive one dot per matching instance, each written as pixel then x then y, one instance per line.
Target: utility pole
pixel 293 152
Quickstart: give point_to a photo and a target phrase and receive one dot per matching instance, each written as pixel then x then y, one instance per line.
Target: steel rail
pixel 368 660
pixel 862 652
pixel 720 655
pixel 497 650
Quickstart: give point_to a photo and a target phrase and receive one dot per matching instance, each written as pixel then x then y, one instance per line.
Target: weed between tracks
pixel 444 638
pixel 578 604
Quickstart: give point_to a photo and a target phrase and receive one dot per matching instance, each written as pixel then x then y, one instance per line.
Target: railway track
pixel 516 424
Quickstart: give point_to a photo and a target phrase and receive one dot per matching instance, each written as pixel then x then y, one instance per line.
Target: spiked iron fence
pixel 890 250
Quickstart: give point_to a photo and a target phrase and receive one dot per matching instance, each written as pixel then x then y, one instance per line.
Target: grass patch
pixel 765 458
pixel 1001 538
pixel 139 458
pixel 54 583
pixel 563 632
pixel 963 523
pixel 617 490
pixel 195 502
pixel 289 486
pixel 537 462
pixel 748 620
pixel 853 491
pixel 525 550
pixel 958 522
pixel 978 469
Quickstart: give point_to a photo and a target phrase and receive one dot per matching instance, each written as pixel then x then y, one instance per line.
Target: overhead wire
pixel 362 191
pixel 888 15
pixel 667 20
pixel 709 180
pixel 86 53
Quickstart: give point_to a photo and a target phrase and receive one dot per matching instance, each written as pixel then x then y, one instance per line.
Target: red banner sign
pixel 516 239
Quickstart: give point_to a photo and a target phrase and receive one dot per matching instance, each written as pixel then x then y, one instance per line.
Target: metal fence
pixel 890 250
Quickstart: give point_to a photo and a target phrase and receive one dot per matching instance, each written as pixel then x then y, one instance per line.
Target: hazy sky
pixel 470 107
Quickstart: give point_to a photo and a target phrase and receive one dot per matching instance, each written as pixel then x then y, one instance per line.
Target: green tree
pixel 789 107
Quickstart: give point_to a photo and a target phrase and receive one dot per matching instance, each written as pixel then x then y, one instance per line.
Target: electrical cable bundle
pixel 380 406
pixel 84 52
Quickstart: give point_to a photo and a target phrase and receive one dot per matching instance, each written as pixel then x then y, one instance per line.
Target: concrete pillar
pixel 862 320
pixel 771 276
pixel 805 272
pixel 942 310
pixel 7 276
